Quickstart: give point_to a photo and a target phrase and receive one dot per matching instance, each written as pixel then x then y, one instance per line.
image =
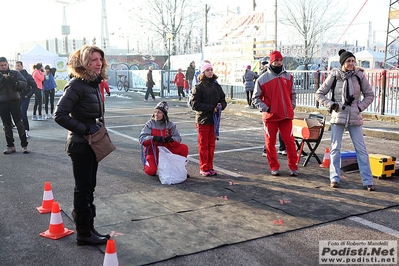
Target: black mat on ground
pixel 201 214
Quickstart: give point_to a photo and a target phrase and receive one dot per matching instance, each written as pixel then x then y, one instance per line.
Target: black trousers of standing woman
pixel 84 167
pixel 249 97
pixel 38 102
pixel 49 94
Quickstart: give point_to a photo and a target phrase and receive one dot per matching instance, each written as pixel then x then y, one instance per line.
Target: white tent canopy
pixel 38 55
pixel 365 59
pixel 371 59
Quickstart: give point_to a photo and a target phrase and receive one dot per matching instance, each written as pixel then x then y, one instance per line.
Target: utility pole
pixel 104 26
pixel 275 25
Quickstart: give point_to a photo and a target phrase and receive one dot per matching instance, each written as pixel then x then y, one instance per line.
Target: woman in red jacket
pixel 179 82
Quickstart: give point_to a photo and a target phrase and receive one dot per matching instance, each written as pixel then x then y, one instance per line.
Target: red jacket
pixel 179 79
pixel 275 95
pixel 103 86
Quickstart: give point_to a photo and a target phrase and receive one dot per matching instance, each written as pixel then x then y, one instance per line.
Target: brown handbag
pixel 101 143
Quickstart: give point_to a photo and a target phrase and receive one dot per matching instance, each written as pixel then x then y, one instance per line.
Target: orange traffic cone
pixel 48 199
pixel 326 159
pixel 56 229
pixel 110 259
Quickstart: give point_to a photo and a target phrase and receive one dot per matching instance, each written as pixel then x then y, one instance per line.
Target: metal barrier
pixel 385 85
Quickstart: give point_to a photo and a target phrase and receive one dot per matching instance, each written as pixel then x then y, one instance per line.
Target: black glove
pixel 93 128
pixel 169 139
pixel 109 94
pixel 158 139
pixel 11 79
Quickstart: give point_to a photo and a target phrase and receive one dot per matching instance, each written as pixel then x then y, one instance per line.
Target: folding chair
pixel 311 143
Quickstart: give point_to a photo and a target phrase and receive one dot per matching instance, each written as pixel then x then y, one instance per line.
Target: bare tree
pixel 311 19
pixel 177 19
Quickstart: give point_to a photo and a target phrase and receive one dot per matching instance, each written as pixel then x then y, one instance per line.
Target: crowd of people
pixel 272 92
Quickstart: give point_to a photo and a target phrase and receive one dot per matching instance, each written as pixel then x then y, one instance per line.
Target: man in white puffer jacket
pixel 347 84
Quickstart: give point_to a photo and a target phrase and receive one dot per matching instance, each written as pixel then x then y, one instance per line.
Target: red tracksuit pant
pixel 206 145
pixel 285 128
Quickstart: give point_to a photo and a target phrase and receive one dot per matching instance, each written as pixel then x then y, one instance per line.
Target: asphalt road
pixel 238 159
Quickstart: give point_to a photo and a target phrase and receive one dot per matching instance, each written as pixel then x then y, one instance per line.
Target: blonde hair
pixel 79 60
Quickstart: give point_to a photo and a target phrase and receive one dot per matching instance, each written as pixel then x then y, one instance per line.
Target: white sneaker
pixel 27 133
pixel 282 152
pixel 34 118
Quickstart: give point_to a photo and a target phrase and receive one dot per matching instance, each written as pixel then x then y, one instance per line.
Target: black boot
pixel 94 231
pixel 92 240
pixel 84 221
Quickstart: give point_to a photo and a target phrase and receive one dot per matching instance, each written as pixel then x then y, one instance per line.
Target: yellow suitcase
pixel 382 165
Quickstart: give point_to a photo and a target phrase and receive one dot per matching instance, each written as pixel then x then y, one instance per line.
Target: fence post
pixel 383 91
pixel 231 91
pixel 162 84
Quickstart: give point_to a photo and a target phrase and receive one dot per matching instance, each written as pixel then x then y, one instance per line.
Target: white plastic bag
pixel 171 167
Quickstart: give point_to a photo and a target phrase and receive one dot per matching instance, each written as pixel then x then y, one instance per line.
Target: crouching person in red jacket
pixel 159 131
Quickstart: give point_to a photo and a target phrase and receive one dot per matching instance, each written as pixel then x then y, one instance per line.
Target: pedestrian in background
pixel 190 72
pixel 79 110
pixel 49 86
pixel 351 95
pixel 179 82
pixel 104 88
pixel 149 84
pixel 11 83
pixel 248 79
pixel 263 64
pixel 25 95
pixel 159 131
pixel 275 95
pixel 207 99
pixel 38 76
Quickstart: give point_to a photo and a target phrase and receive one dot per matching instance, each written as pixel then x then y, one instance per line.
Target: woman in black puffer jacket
pixel 78 110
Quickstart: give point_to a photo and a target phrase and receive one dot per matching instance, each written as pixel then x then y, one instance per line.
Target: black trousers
pixel 249 97
pixel 49 94
pixel 180 91
pixel 7 110
pixel 24 112
pixel 38 102
pixel 84 166
pixel 149 92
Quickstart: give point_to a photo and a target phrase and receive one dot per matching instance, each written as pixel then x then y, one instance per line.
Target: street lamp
pixel 169 36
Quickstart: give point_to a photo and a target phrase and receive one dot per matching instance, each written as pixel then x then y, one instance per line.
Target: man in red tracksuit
pixel 275 95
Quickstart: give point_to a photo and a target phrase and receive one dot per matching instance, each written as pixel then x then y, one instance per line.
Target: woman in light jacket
pixel 347 84
pixel 248 79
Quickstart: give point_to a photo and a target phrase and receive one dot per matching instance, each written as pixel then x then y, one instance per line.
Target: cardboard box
pixel 382 165
pixel 306 128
